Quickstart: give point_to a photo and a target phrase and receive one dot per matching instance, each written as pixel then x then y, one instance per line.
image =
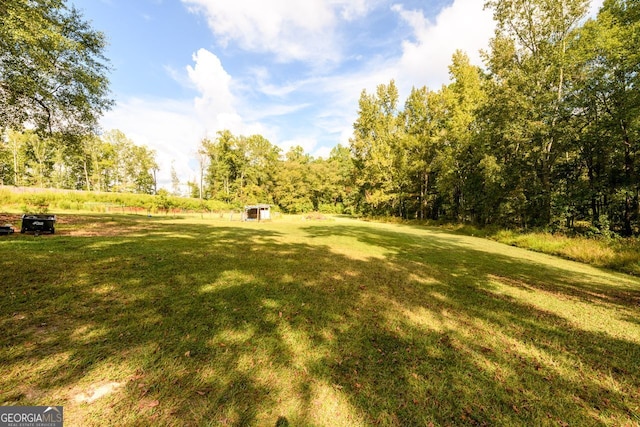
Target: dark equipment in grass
pixel 38 223
pixel 6 230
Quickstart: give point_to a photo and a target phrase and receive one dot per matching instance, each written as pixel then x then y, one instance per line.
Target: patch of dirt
pixel 315 216
pixel 71 220
pixel 96 391
pixel 105 229
pixel 82 226
pixel 12 219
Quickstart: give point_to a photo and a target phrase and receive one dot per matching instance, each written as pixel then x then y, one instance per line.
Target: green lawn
pixel 129 320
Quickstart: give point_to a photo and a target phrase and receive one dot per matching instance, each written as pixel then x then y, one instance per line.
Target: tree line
pixel 109 162
pixel 241 170
pixel 545 135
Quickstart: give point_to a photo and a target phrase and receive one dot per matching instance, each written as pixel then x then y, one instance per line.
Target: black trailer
pixel 38 223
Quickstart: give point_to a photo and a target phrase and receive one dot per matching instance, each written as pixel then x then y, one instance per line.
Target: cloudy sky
pixel 290 70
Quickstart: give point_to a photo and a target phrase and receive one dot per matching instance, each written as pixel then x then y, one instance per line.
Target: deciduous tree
pixel 53 72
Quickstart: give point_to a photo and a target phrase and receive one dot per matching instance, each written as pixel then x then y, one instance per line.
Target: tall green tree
pixel 338 176
pixel 240 169
pixel 530 69
pixel 142 164
pixel 53 72
pixel 417 143
pixel 608 99
pixel 39 159
pixel 295 182
pixel 16 148
pixel 220 172
pixel 376 152
pixel 123 166
pixel 262 160
pixel 462 150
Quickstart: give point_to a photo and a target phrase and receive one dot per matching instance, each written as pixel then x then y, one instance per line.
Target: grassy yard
pixel 129 320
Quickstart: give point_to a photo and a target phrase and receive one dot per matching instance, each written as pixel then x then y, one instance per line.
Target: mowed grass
pixel 129 320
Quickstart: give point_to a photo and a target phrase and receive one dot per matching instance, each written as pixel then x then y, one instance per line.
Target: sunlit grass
pixel 129 320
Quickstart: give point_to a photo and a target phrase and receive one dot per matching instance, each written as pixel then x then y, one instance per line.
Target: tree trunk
pixel 86 175
pixel 628 172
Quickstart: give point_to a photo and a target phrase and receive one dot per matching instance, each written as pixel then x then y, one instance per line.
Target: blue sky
pixel 291 70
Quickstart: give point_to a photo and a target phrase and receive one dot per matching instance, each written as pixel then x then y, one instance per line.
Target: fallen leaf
pixel 187 354
pixel 149 404
pixel 201 393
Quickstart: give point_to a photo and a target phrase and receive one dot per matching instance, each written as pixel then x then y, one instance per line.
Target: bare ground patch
pixel 12 219
pixel 85 226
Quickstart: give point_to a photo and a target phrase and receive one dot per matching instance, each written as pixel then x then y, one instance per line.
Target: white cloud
pixel 292 30
pixel 322 152
pixel 168 127
pixel 594 8
pixel 424 60
pixel 174 129
pixel 307 143
pixel 261 76
pixel 463 25
pixel 216 102
pixel 220 104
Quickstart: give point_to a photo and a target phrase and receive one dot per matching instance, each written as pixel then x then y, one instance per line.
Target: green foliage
pixel 238 169
pixel 35 203
pixel 163 202
pixel 242 170
pixel 52 68
pixel 123 166
pixel 547 137
pixel 374 139
pixel 111 162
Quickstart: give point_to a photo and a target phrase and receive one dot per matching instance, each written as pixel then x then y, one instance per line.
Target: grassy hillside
pixel 129 320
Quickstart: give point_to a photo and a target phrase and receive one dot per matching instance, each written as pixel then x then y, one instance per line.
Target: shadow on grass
pixel 237 325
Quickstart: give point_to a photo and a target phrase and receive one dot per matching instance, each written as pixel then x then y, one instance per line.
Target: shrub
pixel 35 203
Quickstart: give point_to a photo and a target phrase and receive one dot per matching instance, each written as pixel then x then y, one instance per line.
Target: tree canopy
pixel 110 162
pixel 546 135
pixel 53 72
